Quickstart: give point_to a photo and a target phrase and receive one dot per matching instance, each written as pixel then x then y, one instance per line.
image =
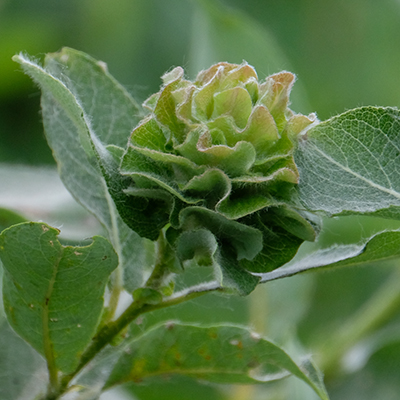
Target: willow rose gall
pixel 213 161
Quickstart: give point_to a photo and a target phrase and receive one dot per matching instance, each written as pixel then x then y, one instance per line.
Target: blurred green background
pixel 345 53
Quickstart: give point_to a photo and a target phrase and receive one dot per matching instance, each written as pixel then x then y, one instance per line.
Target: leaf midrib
pixel 47 345
pixel 348 170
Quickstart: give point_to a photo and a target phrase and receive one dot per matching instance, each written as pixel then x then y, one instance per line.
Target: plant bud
pixel 221 149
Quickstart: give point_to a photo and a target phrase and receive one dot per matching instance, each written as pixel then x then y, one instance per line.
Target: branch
pixel 112 329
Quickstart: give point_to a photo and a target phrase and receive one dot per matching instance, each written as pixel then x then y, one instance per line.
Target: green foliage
pixel 220 146
pixel 204 353
pixel 354 157
pixel 67 129
pixel 53 295
pixel 215 174
pixel 383 246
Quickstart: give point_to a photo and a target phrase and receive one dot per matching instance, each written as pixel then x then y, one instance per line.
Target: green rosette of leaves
pixel 213 162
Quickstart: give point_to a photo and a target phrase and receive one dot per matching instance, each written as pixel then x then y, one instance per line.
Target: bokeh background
pixel 345 53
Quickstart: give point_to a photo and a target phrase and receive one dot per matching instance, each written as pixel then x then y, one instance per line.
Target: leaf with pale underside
pixel 383 246
pixel 53 295
pixel 224 354
pixel 351 163
pixel 82 101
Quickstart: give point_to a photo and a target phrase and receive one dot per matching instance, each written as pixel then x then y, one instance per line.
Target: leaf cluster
pixel 217 173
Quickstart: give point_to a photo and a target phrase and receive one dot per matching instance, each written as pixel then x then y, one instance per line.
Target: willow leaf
pixel 53 295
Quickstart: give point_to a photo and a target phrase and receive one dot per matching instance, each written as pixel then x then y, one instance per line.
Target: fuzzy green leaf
pixel 212 186
pixel 244 202
pixel 275 95
pixel 167 170
pixel 231 274
pixel 165 108
pixel 224 354
pixel 350 163
pixel 235 161
pixel 112 110
pixel 149 135
pixel 81 100
pixel 146 211
pixel 53 295
pixel 235 242
pixel 245 240
pixel 236 102
pixel 199 245
pixel 279 246
pixel 380 247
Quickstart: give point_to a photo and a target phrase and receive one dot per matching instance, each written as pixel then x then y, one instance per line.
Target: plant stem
pixel 158 274
pixel 112 329
pixel 115 293
pixel 117 283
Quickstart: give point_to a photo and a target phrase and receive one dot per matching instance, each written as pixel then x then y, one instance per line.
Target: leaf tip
pixel 16 57
pixel 103 66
